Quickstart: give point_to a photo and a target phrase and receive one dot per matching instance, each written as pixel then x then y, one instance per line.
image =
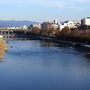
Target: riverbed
pixel 41 65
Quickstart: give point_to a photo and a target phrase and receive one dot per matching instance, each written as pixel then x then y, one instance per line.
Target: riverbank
pixel 3 47
pixel 65 41
pixel 76 38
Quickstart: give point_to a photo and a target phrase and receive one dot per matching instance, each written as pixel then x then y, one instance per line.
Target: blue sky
pixel 42 10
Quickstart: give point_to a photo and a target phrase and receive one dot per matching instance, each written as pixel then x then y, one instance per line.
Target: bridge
pixel 7 33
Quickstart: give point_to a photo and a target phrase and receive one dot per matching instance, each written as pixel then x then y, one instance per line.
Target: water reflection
pixel 47 44
pixel 40 50
pixel 40 65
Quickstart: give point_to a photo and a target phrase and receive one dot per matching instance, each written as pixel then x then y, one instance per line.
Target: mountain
pixel 14 23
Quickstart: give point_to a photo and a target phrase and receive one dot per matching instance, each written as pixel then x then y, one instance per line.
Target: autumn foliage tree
pixel 65 31
pixel 35 30
pixel 47 32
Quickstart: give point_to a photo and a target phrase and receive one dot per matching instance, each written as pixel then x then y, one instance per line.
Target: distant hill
pixel 14 23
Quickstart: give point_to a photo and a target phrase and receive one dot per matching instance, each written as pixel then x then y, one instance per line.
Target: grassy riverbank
pixel 3 47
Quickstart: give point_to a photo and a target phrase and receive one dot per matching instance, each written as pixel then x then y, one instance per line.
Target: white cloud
pixel 46 3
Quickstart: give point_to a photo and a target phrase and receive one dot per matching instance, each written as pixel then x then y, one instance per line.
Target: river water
pixel 40 65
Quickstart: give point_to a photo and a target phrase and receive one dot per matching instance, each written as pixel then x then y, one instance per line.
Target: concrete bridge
pixel 7 33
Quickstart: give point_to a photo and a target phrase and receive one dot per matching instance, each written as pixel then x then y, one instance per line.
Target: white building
pixel 55 21
pixel 85 21
pixel 25 27
pixel 61 26
pixel 10 28
pixel 55 26
pixel 70 24
pixel 18 28
pixel 35 26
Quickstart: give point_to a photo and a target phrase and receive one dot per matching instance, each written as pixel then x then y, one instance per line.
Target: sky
pixel 44 10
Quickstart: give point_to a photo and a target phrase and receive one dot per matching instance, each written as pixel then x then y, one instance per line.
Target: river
pixel 40 65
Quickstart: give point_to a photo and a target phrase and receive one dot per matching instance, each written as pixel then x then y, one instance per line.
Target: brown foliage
pixel 47 32
pixel 65 31
pixel 44 33
pixel 35 30
pixel 56 32
pixel 83 34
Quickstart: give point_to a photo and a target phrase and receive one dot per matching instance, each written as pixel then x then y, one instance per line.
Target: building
pixel 36 26
pixel 24 27
pixel 50 25
pixel 61 26
pixel 70 24
pixel 55 26
pixel 46 25
pixel 10 28
pixel 55 21
pixel 85 23
pixel 18 28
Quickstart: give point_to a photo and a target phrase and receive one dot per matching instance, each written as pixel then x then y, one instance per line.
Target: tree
pixel 65 31
pixel 35 30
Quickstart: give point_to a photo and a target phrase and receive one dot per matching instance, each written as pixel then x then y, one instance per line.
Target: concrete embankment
pixel 3 47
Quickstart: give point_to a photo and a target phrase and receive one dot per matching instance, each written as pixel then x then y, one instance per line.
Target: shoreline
pixel 75 44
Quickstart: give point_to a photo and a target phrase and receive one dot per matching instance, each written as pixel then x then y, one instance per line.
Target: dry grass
pixel 2 47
